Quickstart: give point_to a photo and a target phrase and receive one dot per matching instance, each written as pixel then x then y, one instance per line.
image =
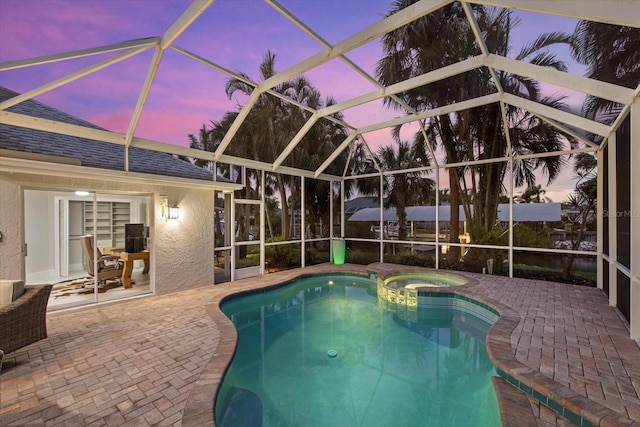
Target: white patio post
pixel 634 193
pixel 613 224
pixel 232 230
pixel 438 217
pixel 381 217
pixel 263 210
pixel 342 209
pixel 510 214
pixel 331 183
pixel 600 222
pixel 303 224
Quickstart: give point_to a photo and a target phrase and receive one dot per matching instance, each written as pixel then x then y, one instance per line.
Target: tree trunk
pixel 268 218
pixel 575 244
pixel 286 230
pixel 454 215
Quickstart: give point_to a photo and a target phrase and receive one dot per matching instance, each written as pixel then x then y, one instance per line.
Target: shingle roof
pixel 354 205
pixel 90 153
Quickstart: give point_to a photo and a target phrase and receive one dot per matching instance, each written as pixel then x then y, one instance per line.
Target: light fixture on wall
pixel 168 212
pixel 174 212
pixel 82 193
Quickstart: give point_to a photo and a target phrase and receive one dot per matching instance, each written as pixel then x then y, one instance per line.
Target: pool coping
pixel 200 408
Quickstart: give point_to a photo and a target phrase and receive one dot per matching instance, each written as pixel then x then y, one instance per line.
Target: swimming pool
pixel 324 350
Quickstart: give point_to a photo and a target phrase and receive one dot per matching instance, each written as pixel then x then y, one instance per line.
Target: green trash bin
pixel 338 247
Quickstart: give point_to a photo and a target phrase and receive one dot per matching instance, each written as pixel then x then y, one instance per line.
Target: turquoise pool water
pixel 324 351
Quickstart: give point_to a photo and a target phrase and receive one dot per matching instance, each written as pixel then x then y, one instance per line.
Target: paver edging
pixel 564 401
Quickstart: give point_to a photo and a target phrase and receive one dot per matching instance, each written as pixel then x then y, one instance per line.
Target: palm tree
pixel 269 125
pixel 404 189
pixel 477 133
pixel 268 128
pixel 611 54
pixel 320 142
pixel 532 194
pixel 203 142
pixel 582 202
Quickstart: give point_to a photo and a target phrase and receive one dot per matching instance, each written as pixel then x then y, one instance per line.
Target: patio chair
pixel 23 321
pixel 110 267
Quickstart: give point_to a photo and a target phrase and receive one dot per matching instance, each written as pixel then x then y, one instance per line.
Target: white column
pixel 232 229
pixel 635 220
pixel 381 217
pixel 599 221
pixel 613 225
pixel 511 215
pixel 303 225
pixel 342 209
pixel 438 217
pixel 263 211
pixel 331 185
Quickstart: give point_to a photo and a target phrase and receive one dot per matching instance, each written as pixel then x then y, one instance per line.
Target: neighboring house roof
pixel 531 212
pixel 522 212
pixel 354 205
pixel 87 152
pixel 414 213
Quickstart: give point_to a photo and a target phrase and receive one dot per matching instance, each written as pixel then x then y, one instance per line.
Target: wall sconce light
pixel 168 212
pixel 174 212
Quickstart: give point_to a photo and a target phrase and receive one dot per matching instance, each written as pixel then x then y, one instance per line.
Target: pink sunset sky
pixel 234 34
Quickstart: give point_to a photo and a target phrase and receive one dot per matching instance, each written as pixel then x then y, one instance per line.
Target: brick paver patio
pixel 158 360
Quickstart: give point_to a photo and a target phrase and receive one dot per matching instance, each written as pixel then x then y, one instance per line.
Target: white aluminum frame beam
pixel 36 123
pixel 252 83
pixel 244 112
pixel 567 131
pixel 36 167
pixel 29 122
pixel 47 59
pixel 287 14
pixel 195 9
pixel 403 86
pixel 335 154
pixel 142 99
pixel 193 12
pixel 72 77
pixel 390 23
pixel 582 84
pixel 295 140
pixel 457 106
pixel 634 203
pixel 562 116
pixel 620 12
pixel 481 43
pixel 258 165
pixel 395 21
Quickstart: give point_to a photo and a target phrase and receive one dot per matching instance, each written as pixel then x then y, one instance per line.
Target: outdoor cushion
pixel 10 290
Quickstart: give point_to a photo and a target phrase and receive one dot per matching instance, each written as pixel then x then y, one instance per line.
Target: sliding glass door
pixel 56 223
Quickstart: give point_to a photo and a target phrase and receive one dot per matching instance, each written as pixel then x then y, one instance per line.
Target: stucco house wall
pixel 11 259
pixel 182 249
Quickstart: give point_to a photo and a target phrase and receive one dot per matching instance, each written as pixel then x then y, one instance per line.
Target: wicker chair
pixel 23 322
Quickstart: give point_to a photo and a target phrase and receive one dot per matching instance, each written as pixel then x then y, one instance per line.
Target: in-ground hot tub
pixel 426 279
pixel 403 288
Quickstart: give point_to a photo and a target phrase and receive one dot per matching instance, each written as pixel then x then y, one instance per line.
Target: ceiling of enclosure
pixel 154 73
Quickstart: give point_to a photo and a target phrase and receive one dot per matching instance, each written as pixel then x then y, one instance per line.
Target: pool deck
pixel 158 360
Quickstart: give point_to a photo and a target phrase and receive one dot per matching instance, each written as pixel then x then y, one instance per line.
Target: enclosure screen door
pixel 247 239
